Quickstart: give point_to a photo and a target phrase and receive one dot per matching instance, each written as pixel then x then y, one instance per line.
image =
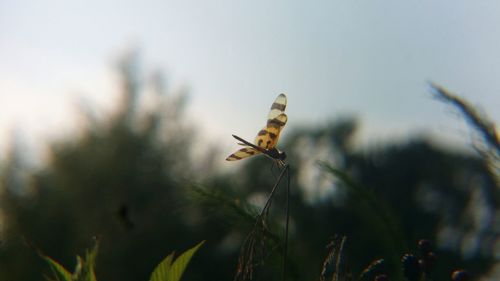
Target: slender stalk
pixel 249 248
pixel 339 259
pixel 287 212
pixel 273 191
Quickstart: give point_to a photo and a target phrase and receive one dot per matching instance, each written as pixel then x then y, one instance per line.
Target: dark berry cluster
pixel 416 267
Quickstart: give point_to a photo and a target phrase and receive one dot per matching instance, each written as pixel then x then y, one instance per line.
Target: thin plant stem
pixel 273 191
pixel 339 259
pixel 249 248
pixel 287 215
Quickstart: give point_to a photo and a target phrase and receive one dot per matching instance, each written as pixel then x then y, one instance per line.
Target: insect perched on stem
pixel 267 138
pixel 265 143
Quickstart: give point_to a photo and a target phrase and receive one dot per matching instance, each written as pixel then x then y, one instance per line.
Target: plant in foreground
pixel 167 270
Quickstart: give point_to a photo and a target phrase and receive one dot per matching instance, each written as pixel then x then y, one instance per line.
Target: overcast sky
pixel 369 58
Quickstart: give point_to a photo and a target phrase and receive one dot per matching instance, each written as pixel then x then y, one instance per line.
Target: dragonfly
pixel 267 138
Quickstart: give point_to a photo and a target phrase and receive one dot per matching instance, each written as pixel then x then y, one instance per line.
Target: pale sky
pixel 368 58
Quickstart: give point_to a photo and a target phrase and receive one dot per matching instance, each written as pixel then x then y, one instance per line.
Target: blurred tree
pixel 412 190
pixel 121 179
pixel 124 179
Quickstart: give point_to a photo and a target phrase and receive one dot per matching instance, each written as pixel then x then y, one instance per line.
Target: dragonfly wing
pixel 278 107
pixel 242 153
pixel 269 135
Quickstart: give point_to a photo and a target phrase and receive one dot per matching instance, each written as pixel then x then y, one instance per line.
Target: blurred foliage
pixel 485 137
pixel 122 179
pixel 130 178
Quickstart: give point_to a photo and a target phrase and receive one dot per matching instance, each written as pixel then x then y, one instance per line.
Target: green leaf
pixel 60 272
pixel 161 271
pixel 88 271
pixel 84 269
pixel 78 268
pixel 181 263
pixel 168 271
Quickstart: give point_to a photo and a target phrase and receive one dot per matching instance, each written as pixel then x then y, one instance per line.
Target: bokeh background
pixel 113 114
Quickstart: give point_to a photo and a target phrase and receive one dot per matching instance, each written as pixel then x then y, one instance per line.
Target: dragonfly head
pixel 281 155
pixel 276 154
